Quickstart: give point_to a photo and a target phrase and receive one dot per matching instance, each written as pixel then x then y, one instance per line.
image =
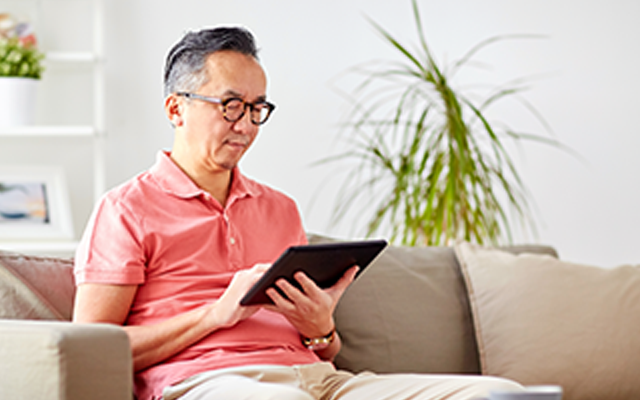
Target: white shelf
pixel 48 131
pixel 71 57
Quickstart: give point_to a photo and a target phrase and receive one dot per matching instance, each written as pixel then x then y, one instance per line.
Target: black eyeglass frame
pixel 215 100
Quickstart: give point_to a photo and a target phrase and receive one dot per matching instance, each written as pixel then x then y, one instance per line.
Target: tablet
pixel 324 263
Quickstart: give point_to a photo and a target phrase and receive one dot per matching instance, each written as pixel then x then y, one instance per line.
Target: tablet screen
pixel 323 263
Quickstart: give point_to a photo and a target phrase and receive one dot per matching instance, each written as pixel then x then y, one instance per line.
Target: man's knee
pixel 422 386
pixel 487 384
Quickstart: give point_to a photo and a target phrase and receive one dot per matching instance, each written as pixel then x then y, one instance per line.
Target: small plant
pixel 19 55
pixel 432 165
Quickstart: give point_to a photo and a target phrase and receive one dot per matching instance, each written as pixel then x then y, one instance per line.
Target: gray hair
pixel 185 65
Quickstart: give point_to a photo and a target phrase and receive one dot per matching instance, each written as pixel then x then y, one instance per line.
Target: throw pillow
pixel 539 320
pixel 35 287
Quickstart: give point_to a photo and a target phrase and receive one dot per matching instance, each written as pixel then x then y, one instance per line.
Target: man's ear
pixel 174 108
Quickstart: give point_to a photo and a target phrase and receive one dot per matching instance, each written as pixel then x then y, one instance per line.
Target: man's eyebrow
pixel 232 93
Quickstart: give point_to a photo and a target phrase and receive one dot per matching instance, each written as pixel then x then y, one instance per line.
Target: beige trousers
pixel 321 381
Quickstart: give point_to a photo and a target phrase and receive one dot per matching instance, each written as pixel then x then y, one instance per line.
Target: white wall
pixel 588 211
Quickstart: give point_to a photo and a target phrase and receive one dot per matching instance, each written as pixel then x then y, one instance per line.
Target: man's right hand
pixel 227 311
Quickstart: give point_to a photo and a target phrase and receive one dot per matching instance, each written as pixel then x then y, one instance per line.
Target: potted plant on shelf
pixel 428 159
pixel 21 66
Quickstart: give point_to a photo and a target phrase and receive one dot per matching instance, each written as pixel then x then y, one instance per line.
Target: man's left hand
pixel 310 310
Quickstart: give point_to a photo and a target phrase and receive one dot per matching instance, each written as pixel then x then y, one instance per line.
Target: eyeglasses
pixel 233 108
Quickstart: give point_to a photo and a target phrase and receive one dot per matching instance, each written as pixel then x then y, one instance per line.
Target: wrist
pixel 216 317
pixel 319 342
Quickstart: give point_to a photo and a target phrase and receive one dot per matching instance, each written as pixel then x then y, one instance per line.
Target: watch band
pixel 319 343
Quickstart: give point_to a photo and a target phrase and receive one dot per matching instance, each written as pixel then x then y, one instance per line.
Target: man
pixel 169 254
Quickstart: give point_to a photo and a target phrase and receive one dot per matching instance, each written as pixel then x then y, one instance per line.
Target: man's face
pixel 214 142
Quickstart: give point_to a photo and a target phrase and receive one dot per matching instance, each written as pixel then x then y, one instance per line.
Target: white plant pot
pixel 17 101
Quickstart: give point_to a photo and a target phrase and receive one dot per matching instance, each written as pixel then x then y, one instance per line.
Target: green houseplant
pixel 21 66
pixel 428 158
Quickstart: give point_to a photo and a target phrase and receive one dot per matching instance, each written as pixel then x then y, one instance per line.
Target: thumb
pixel 346 279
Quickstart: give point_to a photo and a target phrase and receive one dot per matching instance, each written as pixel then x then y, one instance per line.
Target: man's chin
pixel 228 161
pixel 227 165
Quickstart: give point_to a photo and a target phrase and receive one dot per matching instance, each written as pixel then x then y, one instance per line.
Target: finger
pixel 256 272
pixel 280 302
pixel 244 279
pixel 308 285
pixel 261 267
pixel 252 274
pixel 291 292
pixel 346 279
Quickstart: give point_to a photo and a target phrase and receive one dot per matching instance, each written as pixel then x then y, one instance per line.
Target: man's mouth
pixel 238 143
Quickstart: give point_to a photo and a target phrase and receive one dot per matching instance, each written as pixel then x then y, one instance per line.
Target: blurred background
pixel 586 87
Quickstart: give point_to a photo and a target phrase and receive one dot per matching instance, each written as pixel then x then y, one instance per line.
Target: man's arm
pixel 152 344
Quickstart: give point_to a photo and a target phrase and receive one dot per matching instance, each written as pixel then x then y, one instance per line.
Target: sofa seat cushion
pixel 35 287
pixel 540 320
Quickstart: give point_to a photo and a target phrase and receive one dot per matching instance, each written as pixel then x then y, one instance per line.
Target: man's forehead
pixel 227 59
pixel 235 75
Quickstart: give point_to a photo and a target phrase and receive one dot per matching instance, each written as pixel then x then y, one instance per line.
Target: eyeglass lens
pixel 234 110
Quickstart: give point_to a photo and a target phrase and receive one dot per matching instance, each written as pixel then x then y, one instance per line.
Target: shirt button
pixel 232 241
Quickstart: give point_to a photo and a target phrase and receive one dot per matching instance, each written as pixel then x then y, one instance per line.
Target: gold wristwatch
pixel 319 343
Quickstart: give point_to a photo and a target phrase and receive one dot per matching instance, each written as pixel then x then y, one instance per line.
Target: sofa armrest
pixel 64 361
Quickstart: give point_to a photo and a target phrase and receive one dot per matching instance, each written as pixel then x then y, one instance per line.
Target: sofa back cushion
pixel 409 312
pixel 35 287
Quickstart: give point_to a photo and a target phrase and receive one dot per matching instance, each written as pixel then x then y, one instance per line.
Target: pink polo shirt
pixel 163 233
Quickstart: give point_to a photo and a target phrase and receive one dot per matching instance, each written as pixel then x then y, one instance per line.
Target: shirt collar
pixel 171 179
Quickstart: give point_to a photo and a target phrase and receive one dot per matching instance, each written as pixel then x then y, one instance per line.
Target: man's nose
pixel 244 124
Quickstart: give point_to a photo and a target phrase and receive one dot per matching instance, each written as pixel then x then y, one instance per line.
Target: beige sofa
pixel 462 309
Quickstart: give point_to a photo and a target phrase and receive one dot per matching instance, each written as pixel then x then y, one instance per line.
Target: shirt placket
pixel 232 242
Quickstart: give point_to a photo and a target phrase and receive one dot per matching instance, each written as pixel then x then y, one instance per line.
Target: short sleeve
pixel 111 249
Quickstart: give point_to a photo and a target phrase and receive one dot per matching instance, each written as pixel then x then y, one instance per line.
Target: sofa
pixel 518 312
